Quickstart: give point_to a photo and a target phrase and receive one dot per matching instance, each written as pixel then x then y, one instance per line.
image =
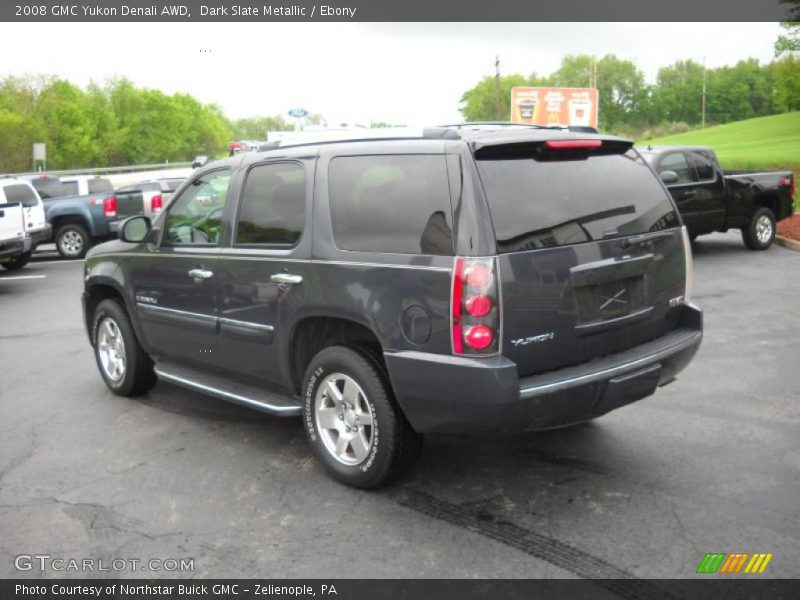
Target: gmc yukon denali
pixel 710 199
pixel 485 282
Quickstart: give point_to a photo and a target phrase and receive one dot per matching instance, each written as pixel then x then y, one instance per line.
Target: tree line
pixel 627 102
pixel 109 124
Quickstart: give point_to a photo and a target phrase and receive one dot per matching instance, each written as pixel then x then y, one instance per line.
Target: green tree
pixel 787 83
pixel 480 103
pixel 679 92
pixel 789 43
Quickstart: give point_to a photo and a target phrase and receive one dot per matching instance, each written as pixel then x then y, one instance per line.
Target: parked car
pixel 79 221
pixel 489 282
pixel 15 243
pixel 36 226
pixel 199 161
pixel 155 193
pixel 711 199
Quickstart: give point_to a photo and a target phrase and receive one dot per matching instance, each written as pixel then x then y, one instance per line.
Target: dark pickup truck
pixel 79 221
pixel 710 199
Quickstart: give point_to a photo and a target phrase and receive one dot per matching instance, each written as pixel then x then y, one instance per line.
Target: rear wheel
pixel 760 232
pixel 16 263
pixel 124 366
pixel 72 240
pixel 352 421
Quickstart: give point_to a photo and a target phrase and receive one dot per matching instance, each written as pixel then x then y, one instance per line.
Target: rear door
pixel 699 192
pixel 591 256
pixel 263 276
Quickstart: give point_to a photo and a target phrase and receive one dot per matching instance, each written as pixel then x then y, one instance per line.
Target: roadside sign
pixel 554 106
pixel 39 151
pixel 298 113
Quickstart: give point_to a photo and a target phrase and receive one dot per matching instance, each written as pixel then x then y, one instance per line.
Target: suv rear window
pixel 391 203
pixel 19 192
pixel 49 187
pixel 99 185
pixel 537 204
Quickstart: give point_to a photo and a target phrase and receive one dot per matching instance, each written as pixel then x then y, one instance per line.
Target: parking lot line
pixel 23 277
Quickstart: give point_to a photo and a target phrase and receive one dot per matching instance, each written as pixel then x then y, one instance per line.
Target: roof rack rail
pixel 362 135
pixel 489 124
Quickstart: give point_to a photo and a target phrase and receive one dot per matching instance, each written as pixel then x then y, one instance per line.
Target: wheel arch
pixel 313 333
pixel 104 287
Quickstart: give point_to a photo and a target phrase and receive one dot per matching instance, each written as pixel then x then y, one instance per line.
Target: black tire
pixel 139 376
pixel 16 263
pixel 759 233
pixel 394 446
pixel 73 241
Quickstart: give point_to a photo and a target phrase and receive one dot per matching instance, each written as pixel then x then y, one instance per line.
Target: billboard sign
pixel 551 107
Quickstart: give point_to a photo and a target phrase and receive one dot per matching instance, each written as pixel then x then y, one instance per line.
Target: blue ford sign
pixel 298 112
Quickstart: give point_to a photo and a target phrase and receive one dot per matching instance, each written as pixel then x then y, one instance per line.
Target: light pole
pixel 703 123
pixel 498 112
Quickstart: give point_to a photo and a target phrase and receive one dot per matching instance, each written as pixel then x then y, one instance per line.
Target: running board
pixel 219 387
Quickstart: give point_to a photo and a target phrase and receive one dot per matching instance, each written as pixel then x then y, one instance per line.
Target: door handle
pixel 198 274
pixel 286 278
pixel 690 194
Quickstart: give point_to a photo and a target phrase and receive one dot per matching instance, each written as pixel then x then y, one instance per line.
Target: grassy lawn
pixel 766 143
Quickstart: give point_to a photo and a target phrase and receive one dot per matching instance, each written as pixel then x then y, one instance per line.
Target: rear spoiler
pixel 567 148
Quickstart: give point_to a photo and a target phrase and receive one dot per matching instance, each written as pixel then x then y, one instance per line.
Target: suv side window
pixel 677 162
pixel 391 203
pixel 70 188
pixel 702 166
pixel 195 216
pixel 272 209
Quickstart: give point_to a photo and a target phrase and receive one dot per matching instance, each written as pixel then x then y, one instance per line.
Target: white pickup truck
pixel 15 243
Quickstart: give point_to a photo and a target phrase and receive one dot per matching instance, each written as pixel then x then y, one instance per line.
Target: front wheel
pixel 352 421
pixel 122 362
pixel 16 263
pixel 72 241
pixel 760 232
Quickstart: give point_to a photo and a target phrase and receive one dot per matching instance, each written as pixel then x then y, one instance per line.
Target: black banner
pixel 399 10
pixel 379 589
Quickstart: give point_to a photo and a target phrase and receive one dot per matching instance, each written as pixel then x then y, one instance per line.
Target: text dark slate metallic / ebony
pixel 485 281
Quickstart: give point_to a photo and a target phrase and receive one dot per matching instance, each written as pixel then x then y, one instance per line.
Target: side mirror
pixel 668 177
pixel 134 229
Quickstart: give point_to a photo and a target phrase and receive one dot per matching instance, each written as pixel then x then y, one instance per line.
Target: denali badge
pixel 534 339
pixel 147 299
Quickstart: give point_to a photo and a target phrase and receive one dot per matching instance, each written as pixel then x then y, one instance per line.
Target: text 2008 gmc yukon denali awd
pixel 489 281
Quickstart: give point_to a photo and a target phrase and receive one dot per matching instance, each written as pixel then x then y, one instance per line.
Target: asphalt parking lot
pixel 710 463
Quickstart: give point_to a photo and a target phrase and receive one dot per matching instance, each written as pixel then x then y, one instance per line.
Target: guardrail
pixel 103 170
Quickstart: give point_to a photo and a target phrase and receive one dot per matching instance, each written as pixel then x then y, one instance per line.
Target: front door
pixel 175 281
pixel 263 275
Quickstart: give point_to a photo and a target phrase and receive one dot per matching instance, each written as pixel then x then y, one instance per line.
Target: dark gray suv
pixel 463 282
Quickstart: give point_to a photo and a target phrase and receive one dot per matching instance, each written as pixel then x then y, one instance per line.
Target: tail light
pixel 687 254
pixel 156 204
pixel 790 182
pixel 475 322
pixel 110 207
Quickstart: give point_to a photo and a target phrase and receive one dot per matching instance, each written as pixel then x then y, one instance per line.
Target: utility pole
pixel 498 109
pixel 703 125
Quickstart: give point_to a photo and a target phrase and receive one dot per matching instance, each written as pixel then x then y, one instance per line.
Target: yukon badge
pixel 534 339
pixel 146 299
